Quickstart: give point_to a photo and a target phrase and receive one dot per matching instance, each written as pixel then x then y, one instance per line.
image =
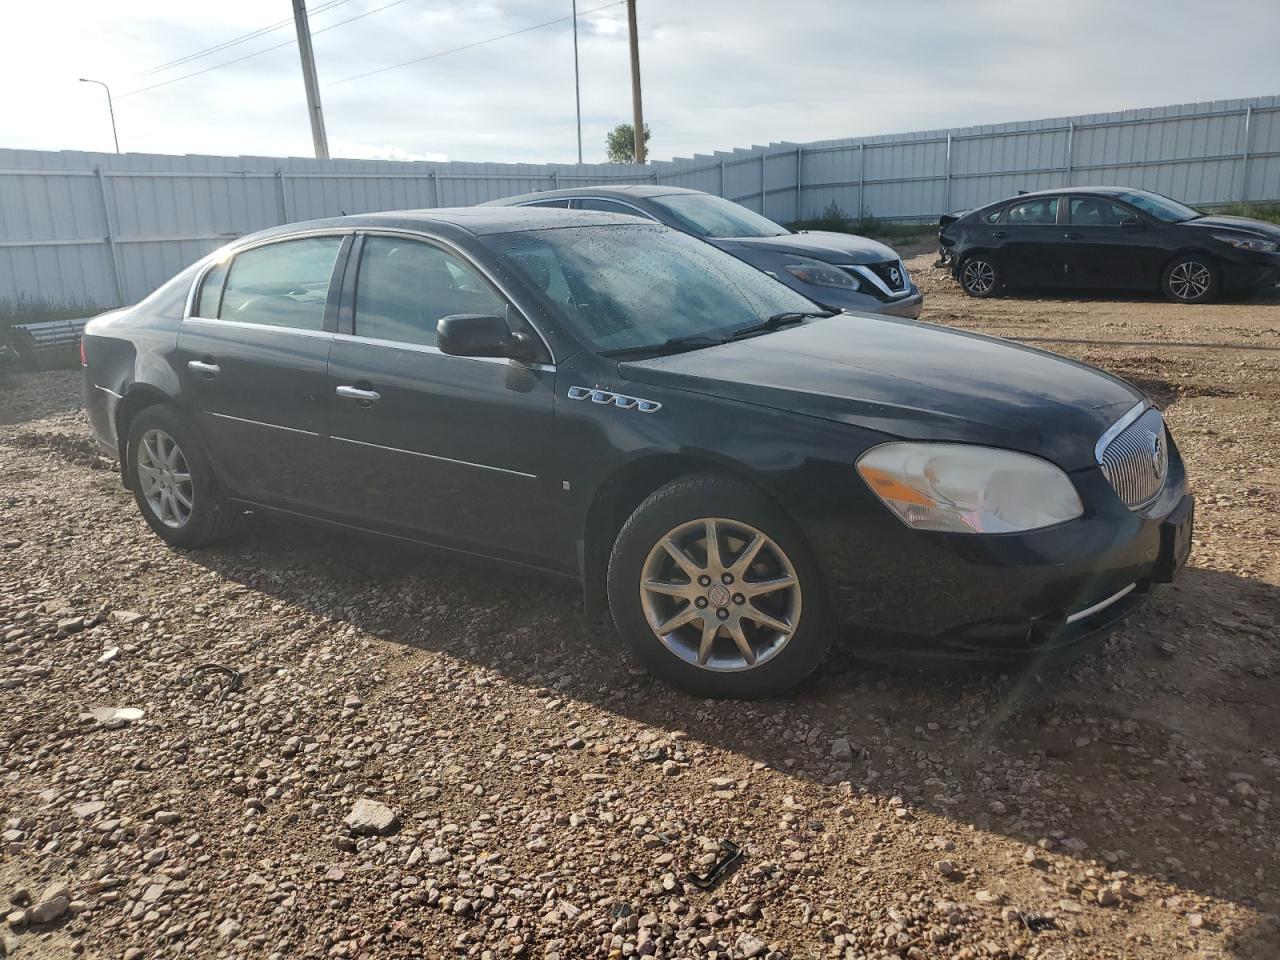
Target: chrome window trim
pixel 436 351
pixel 862 270
pixel 468 260
pixel 1102 604
pixel 590 196
pixel 204 271
pixel 432 456
pixel 1117 428
pixel 259 423
pixel 268 327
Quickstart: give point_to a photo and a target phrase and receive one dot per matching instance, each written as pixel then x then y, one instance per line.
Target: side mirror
pixel 479 335
pixel 1131 223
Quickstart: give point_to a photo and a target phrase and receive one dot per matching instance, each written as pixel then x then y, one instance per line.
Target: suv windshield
pixel 706 216
pixel 628 286
pixel 1162 208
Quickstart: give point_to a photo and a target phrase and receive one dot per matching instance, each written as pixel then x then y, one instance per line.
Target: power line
pixel 249 56
pixel 217 48
pixel 469 46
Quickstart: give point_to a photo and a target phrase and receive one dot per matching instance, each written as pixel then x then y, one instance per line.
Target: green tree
pixel 620 142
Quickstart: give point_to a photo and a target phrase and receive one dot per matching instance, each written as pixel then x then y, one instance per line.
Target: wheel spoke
pixel 762 587
pixel 747 557
pixel 766 620
pixel 182 498
pixel 744 645
pixel 687 614
pixel 713 546
pixel 708 643
pixel 682 590
pixel 682 559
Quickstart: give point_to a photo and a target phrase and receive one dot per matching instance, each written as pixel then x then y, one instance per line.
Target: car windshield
pixel 1162 208
pixel 632 286
pixel 706 216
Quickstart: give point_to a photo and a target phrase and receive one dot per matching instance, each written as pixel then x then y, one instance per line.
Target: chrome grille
pixel 1136 460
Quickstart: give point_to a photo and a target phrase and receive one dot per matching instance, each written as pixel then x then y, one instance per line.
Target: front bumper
pixel 899 593
pixel 908 307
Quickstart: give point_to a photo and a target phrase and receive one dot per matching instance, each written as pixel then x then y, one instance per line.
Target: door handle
pixel 1072 236
pixel 355 393
pixel 205 368
pixel 1000 234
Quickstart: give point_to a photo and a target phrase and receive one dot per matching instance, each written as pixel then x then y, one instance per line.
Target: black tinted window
pixel 1039 210
pixel 563 203
pixel 211 291
pixel 283 284
pixel 1096 212
pixel 607 206
pixel 994 215
pixel 405 287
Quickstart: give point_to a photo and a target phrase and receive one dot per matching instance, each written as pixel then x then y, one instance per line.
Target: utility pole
pixel 577 88
pixel 636 108
pixel 112 110
pixel 318 136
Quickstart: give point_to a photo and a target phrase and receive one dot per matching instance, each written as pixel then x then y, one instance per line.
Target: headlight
pixel 960 488
pixel 822 275
pixel 1250 244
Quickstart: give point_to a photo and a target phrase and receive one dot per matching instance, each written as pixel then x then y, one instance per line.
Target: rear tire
pixel 980 276
pixel 1191 278
pixel 173 481
pixel 758 625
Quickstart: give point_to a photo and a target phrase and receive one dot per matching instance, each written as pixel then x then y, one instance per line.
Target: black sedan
pixel 838 270
pixel 1109 237
pixel 735 474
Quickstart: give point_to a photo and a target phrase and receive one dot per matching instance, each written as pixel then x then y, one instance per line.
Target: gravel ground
pixel 433 759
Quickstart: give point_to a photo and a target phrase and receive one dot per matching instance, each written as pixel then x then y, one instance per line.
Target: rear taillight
pixel 84 361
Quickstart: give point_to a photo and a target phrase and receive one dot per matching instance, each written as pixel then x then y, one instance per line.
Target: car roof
pixel 478 221
pixel 1072 191
pixel 627 191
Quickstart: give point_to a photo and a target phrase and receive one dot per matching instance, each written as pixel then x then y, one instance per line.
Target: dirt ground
pixel 549 798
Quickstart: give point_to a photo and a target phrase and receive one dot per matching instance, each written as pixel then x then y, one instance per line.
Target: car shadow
pixel 1180 701
pixel 1268 295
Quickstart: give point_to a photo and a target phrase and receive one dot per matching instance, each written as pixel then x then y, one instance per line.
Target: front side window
pixel 1096 212
pixel 1162 208
pixel 608 206
pixel 706 216
pixel 637 285
pixel 283 284
pixel 404 287
pixel 1041 210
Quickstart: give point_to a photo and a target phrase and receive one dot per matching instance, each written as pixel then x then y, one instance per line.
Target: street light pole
pixel 110 109
pixel 577 88
pixel 636 109
pixel 319 139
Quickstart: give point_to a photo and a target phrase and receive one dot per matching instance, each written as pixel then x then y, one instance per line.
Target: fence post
pixel 282 200
pixel 722 176
pixel 108 221
pixel 946 183
pixel 555 179
pixel 1244 156
pixel 763 160
pixel 1071 137
pixel 435 188
pixel 862 180
pixel 799 174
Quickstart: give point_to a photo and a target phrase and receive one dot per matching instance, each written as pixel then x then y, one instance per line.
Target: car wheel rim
pixel 1189 280
pixel 720 595
pixel 165 478
pixel 979 276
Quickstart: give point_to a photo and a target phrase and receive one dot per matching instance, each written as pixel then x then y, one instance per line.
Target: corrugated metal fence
pixel 88 230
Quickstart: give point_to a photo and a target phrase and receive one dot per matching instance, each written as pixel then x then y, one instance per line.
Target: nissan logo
pixel 894 275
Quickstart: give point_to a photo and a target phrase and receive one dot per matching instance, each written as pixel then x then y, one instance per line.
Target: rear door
pixel 253 356
pixel 459 451
pixel 1100 252
pixel 1033 241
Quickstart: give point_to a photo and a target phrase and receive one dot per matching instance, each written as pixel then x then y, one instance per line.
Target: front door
pixel 459 451
pixel 253 356
pixel 1102 253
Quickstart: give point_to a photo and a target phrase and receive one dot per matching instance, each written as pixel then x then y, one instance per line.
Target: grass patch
pixel 28 310
pixel 836 220
pixel 1257 211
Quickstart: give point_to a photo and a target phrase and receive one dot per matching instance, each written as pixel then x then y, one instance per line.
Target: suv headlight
pixel 1249 243
pixel 960 488
pixel 823 275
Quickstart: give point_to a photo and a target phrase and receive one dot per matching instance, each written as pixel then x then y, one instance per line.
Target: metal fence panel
pixel 85 229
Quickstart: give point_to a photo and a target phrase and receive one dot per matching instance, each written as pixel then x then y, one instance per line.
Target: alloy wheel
pixel 720 594
pixel 1190 280
pixel 978 276
pixel 165 478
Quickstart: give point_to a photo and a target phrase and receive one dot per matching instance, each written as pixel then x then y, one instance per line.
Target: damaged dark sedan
pixel 737 475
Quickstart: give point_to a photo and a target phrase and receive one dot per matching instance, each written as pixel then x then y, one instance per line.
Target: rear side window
pixel 1039 210
pixel 1096 212
pixel 282 284
pixel 211 291
pixel 405 287
pixel 994 215
pixel 562 203
pixel 607 206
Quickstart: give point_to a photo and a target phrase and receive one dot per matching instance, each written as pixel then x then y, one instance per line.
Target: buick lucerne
pixel 736 475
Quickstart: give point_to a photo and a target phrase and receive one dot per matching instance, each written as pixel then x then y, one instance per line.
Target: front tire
pixel 173 481
pixel 980 276
pixel 1191 278
pixel 716 591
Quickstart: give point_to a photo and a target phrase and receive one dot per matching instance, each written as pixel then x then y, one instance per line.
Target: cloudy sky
pixel 717 73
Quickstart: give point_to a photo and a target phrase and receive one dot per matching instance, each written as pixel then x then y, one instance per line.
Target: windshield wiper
pixel 670 345
pixel 781 320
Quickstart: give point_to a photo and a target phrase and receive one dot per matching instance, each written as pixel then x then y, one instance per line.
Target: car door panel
pixel 258 389
pixel 1032 243
pixel 1102 253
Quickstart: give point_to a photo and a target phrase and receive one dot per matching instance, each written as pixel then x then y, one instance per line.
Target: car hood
pixel 1261 228
pixel 817 245
pixel 910 380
